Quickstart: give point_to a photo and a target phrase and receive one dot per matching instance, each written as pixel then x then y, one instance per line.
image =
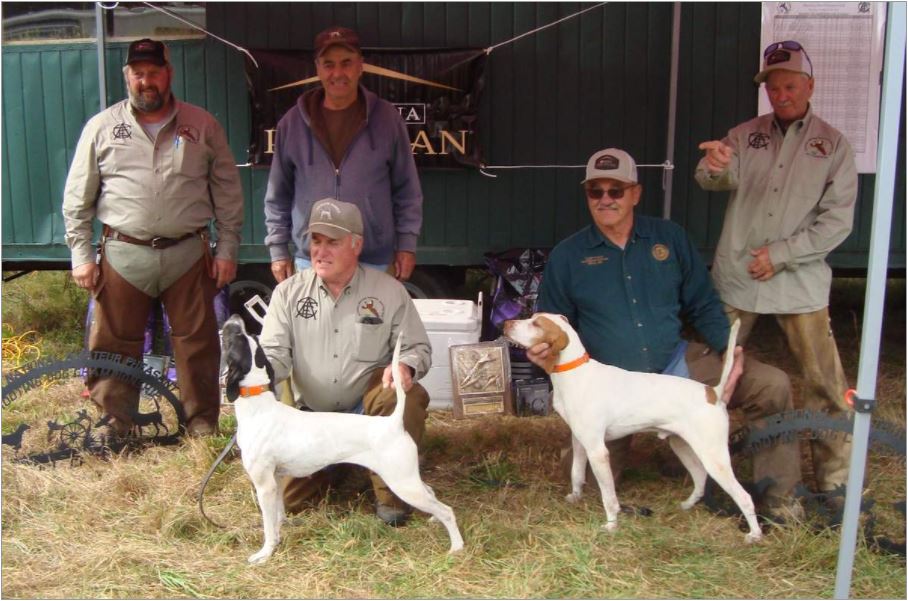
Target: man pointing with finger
pixel 793 186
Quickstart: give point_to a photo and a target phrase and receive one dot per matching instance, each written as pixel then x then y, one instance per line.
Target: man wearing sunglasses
pixel 626 283
pixel 793 186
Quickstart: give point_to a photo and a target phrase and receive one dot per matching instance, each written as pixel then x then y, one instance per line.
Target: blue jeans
pixel 677 365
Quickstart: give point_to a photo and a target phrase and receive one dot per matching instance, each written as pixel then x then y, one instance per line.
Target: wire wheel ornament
pixel 72 431
pixel 823 508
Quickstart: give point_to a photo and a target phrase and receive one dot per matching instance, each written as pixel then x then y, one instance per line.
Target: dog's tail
pixel 729 359
pixel 398 413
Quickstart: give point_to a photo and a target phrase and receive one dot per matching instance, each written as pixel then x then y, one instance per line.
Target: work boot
pixel 782 510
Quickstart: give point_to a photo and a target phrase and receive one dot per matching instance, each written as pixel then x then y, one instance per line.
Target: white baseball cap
pixel 788 55
pixel 611 163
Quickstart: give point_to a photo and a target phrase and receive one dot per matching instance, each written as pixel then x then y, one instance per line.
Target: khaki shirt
pixel 331 347
pixel 146 188
pixel 794 193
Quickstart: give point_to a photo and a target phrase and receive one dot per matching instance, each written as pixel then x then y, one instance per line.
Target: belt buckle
pixel 156 241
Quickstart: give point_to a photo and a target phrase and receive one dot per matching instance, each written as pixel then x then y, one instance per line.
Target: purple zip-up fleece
pixel 377 174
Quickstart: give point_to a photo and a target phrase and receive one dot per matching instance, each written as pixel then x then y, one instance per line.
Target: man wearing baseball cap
pixel 793 185
pixel 155 172
pixel 626 282
pixel 341 140
pixel 331 328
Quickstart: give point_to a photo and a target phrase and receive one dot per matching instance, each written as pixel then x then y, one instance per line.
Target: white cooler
pixel 448 322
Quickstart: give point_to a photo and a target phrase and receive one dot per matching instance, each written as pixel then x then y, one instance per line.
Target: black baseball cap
pixel 336 36
pixel 147 50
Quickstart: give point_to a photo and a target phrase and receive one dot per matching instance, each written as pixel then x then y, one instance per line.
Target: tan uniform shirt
pixel 330 346
pixel 794 193
pixel 145 188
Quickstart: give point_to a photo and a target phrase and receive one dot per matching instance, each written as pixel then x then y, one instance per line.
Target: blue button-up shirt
pixel 628 304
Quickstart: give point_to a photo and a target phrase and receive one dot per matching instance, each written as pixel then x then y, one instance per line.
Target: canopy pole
pixel 887 148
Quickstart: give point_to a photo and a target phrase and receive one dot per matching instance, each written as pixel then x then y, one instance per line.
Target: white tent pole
pixel 101 36
pixel 894 65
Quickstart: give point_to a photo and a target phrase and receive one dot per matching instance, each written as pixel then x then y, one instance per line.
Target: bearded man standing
pixel 155 172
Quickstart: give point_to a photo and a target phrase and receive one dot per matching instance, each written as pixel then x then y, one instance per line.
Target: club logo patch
pixel 779 56
pixel 122 131
pixel 307 308
pixel 370 308
pixel 818 147
pixel 758 139
pixel 188 133
pixel 607 162
pixel 598 260
pixel 660 252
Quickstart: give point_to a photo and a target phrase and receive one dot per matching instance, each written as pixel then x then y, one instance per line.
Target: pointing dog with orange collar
pixel 276 439
pixel 600 403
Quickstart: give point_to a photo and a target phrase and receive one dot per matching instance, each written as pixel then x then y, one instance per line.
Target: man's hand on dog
pixel 406 379
pixel 538 353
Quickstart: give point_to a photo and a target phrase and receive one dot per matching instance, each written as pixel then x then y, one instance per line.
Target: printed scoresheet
pixel 845 43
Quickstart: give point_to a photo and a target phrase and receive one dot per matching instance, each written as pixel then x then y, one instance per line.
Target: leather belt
pixel 157 243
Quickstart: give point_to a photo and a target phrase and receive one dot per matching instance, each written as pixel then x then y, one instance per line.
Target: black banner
pixel 436 92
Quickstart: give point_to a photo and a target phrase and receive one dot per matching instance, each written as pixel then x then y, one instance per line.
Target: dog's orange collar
pixel 253 390
pixel 572 364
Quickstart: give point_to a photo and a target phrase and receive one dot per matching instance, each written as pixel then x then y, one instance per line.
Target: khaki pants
pixel 118 326
pixel 812 343
pixel 762 390
pixel 376 401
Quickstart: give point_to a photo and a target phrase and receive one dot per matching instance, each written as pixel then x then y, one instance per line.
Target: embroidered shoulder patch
pixel 370 308
pixel 307 308
pixel 188 133
pixel 758 140
pixel 598 260
pixel 660 252
pixel 818 147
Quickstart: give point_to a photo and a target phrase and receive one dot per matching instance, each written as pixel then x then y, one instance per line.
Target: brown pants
pixel 376 401
pixel 118 326
pixel 812 343
pixel 762 390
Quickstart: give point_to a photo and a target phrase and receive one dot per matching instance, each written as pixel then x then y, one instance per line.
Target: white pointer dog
pixel 600 402
pixel 279 440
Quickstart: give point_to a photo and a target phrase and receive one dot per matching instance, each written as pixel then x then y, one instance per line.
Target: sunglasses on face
pixel 613 193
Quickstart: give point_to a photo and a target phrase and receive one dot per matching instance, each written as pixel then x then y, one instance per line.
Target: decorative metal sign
pixel 70 437
pixel 826 507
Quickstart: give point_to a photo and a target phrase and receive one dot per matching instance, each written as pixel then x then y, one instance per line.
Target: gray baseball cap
pixel 335 219
pixel 611 163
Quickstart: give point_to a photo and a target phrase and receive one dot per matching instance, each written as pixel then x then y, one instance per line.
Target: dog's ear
pixel 261 360
pixel 557 339
pixel 239 361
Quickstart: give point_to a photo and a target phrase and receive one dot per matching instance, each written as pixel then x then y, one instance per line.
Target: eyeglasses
pixel 613 193
pixel 788 45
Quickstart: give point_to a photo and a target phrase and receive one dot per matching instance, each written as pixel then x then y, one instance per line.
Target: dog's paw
pixel 688 504
pixel 572 498
pixel 260 557
pixel 609 527
pixel 753 537
pixel 455 548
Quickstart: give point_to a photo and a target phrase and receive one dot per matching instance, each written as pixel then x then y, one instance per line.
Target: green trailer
pixel 602 78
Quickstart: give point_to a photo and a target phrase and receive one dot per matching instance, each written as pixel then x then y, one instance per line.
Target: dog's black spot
pixel 238 357
pixel 261 360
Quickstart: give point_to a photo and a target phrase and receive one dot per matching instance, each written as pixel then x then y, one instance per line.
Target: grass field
pixel 129 527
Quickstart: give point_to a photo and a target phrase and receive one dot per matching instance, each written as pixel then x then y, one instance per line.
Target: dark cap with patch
pixel 611 163
pixel 150 51
pixel 336 36
pixel 335 219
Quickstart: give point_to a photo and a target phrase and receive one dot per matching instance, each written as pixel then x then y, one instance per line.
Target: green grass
pixel 50 304
pixel 129 527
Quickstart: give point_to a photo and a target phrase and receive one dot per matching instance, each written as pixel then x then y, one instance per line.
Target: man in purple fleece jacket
pixel 342 141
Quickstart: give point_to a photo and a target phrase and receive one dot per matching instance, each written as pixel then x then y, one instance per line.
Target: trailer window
pixel 44 22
